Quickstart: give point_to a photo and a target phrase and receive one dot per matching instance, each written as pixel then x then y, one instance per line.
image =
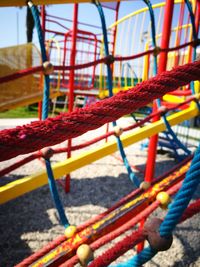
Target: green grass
pixel 21 112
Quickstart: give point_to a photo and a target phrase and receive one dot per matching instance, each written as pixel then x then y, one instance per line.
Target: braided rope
pixel 192 18
pixel 39 134
pixel 25 72
pixel 175 212
pixel 128 242
pixel 120 248
pixel 192 210
pixel 175 139
pixel 55 195
pixel 145 255
pixel 45 103
pixel 148 253
pixel 183 197
pixel 155 68
pixel 34 257
pixel 104 239
pixel 123 245
pixel 95 140
pixel 134 179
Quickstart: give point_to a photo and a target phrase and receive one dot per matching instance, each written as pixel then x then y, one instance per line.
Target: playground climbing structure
pixel 51 131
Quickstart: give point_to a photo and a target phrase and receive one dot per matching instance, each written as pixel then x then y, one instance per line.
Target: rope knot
pixel 151 230
pixel 196 42
pixel 47 152
pixel 109 59
pixel 48 68
pixel 118 130
pixel 156 51
pixel 162 110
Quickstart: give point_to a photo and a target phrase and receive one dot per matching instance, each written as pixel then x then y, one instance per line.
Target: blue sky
pixel 13 19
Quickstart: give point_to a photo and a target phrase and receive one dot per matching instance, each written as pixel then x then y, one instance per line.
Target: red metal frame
pixel 152 149
pixel 83 37
pixel 71 82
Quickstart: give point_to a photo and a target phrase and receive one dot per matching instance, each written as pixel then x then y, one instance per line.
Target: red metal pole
pixel 73 58
pixel 71 81
pixel 152 149
pixel 197 16
pixel 167 22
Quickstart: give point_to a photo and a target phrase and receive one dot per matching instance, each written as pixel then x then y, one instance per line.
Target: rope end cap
pixel 145 185
pixel 164 199
pixel 70 231
pixel 85 254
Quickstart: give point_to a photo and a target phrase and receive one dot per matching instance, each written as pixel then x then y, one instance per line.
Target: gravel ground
pixel 30 221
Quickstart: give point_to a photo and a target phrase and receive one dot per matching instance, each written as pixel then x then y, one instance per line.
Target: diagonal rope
pixel 176 211
pixel 132 176
pixel 51 180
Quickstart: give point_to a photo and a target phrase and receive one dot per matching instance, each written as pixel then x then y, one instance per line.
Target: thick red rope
pixel 28 261
pixel 193 209
pixel 39 134
pixel 129 241
pixel 95 140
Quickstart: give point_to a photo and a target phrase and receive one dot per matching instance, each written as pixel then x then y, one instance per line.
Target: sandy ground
pixel 30 221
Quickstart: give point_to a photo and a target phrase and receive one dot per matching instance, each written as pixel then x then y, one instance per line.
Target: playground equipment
pixel 66 126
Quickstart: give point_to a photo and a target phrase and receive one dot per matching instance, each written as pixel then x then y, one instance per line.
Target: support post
pixel 71 82
pixel 167 22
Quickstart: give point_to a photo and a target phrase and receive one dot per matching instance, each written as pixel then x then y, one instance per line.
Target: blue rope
pixel 192 18
pixel 55 195
pixel 183 197
pixel 187 190
pixel 155 67
pixel 51 181
pixel 175 139
pixel 153 32
pixel 131 174
pixel 135 79
pixel 175 212
pixel 138 260
pixel 45 103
